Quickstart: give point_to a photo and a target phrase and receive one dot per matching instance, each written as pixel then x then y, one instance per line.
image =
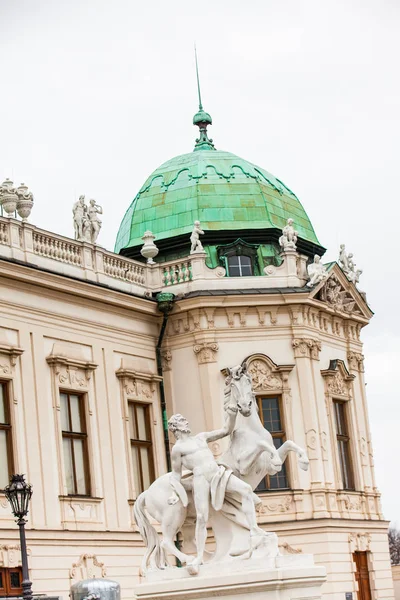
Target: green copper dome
pixel 221 190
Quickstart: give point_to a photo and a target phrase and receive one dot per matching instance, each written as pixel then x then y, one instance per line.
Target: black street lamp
pixel 18 493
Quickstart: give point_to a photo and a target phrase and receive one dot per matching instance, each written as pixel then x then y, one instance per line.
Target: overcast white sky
pixel 96 94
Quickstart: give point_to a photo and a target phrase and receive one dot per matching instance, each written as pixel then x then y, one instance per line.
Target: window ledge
pixel 83 499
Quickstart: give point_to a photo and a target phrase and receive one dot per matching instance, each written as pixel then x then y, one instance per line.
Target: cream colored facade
pixel 75 317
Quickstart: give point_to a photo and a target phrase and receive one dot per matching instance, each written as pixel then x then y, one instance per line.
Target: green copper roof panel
pixel 220 189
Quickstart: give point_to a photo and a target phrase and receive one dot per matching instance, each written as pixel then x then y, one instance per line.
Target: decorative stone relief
pixel 334 294
pixel 359 542
pixel 205 352
pixel 356 361
pixel 282 506
pixel 70 367
pixel 263 377
pixel 306 347
pixel 166 359
pixel 311 438
pixel 10 555
pixel 352 503
pixel 136 384
pixel 8 358
pixel 337 379
pixel 87 566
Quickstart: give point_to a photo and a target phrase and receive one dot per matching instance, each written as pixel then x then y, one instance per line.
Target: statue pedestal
pixel 289 577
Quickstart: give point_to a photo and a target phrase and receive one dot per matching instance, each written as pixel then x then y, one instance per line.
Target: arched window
pixel 239 259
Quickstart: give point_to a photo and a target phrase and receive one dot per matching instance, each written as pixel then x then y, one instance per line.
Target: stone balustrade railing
pixel 58 249
pixel 179 271
pixel 82 260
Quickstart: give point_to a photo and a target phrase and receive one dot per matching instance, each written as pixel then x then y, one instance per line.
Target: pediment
pixel 341 295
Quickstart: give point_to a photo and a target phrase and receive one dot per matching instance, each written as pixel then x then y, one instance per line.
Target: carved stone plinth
pixel 280 578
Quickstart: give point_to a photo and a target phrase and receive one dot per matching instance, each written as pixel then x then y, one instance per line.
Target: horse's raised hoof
pixel 304 464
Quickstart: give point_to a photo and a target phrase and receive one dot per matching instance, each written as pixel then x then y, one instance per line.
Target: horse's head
pixel 239 385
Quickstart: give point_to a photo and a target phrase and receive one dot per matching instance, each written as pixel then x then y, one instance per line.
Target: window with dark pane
pixel 141 445
pixel 6 462
pixel 240 266
pixel 74 437
pixel 343 444
pixel 10 582
pixel 271 418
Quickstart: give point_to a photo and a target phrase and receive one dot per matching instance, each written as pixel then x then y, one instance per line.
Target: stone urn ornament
pixel 8 197
pixel 25 202
pixel 149 249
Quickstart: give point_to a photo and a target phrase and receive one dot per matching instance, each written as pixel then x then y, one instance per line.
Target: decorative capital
pixel 8 358
pixel 356 361
pixel 306 348
pixel 205 352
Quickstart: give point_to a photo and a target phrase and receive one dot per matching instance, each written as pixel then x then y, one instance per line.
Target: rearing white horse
pixel 251 456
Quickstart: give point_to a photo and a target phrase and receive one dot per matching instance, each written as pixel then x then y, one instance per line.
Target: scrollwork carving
pixel 306 347
pixel 87 567
pixel 205 352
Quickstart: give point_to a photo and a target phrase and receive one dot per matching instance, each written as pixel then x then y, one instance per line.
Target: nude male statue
pixel 210 481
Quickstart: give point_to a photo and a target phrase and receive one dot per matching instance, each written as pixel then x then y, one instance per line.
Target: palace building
pixel 98 348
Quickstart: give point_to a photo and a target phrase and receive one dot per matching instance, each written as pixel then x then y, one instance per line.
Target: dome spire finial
pixel 198 79
pixel 202 118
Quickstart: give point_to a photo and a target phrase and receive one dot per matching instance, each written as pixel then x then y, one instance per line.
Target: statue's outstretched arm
pixel 229 425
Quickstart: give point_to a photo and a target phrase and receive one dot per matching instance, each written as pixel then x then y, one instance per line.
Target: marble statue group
pixel 202 491
pixel 87 224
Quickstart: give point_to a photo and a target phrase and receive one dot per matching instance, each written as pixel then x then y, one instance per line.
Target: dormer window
pixel 239 259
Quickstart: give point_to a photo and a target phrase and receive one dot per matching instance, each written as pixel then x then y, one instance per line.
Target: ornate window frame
pixel 270 379
pixel 73 374
pixel 142 388
pixel 8 362
pixel 239 248
pixel 339 387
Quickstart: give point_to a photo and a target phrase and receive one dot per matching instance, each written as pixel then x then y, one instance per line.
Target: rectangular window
pixel 343 442
pixel 10 582
pixel 271 418
pixel 74 438
pixel 141 445
pixel 6 463
pixel 239 266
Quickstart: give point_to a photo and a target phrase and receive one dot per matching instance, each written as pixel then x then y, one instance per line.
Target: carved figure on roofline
pixel 348 265
pixel 219 490
pixel 93 211
pixel 196 245
pixel 288 239
pixel 87 224
pixel 316 272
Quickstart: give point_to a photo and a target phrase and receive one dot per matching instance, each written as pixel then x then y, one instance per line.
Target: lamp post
pixel 18 493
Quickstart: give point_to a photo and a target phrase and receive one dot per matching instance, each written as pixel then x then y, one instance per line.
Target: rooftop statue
pixel 219 493
pixel 288 239
pixel 197 246
pixel 316 272
pixel 87 224
pixel 348 265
